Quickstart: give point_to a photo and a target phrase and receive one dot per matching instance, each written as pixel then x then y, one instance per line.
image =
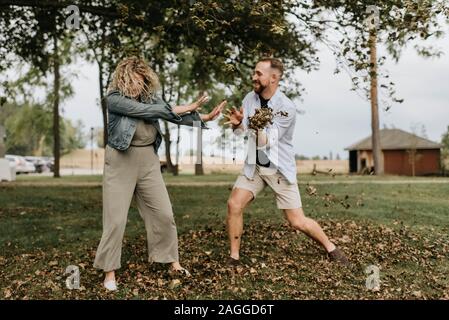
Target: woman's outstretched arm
pixel 119 104
pixel 154 109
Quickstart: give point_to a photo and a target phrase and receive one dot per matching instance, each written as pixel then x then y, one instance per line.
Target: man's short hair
pixel 274 63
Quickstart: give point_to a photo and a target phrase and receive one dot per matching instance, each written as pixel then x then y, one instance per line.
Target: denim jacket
pixel 123 113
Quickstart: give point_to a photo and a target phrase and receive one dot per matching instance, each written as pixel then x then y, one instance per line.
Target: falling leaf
pixel 311 190
pixel 174 283
pixel 7 293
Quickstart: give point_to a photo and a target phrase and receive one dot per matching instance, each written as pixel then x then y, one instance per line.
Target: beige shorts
pixel 287 195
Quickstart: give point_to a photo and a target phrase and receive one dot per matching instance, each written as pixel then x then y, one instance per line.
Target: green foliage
pixel 344 27
pixel 301 157
pixel 99 137
pixel 445 143
pixel 445 151
pixel 72 136
pixel 213 45
pixel 29 130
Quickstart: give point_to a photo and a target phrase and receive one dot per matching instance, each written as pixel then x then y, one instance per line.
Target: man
pixel 271 162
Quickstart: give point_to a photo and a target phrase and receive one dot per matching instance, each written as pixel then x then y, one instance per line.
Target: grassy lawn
pixel 218 178
pixel 401 228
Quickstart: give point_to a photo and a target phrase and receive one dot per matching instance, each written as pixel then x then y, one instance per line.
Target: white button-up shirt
pixel 279 148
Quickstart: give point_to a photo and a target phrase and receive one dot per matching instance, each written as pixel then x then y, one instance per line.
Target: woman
pixel 132 166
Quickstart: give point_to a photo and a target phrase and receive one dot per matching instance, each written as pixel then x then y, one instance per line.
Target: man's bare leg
pixel 308 226
pixel 313 230
pixel 237 202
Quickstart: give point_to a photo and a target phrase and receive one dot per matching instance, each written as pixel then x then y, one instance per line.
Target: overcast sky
pixel 334 117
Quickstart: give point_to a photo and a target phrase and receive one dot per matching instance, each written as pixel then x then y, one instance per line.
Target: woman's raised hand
pixel 199 102
pixel 215 112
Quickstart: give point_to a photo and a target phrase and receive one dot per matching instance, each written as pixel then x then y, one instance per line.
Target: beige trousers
pixel 135 171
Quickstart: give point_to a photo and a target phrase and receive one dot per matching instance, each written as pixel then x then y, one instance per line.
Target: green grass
pixel 223 177
pixel 64 222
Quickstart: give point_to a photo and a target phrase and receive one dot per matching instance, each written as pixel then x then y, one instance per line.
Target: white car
pixel 40 163
pixel 22 165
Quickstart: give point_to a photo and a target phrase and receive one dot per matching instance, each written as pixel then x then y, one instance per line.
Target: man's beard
pixel 260 88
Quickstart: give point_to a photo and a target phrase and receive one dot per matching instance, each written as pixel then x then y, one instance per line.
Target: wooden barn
pixel 403 154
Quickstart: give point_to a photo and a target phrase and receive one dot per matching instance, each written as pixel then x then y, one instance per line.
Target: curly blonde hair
pixel 134 78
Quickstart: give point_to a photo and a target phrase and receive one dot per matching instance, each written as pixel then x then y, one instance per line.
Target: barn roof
pixel 396 139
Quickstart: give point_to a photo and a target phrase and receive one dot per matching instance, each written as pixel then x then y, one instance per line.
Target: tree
pixel 226 37
pixel 43 40
pixel 100 38
pixel 413 152
pixel 29 117
pixel 72 136
pixel 119 30
pixel 99 137
pixel 352 30
pixel 230 36
pixel 29 130
pixel 176 89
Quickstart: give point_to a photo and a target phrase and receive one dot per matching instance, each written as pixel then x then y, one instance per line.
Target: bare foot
pixel 109 281
pixel 178 269
pixel 110 275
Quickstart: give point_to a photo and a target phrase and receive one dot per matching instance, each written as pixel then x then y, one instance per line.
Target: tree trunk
pixel 166 137
pixel 199 170
pixel 167 147
pixel 178 139
pixel 178 135
pixel 56 85
pixel 377 151
pixel 104 110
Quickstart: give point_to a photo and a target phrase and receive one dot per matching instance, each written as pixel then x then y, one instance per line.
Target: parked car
pixel 49 162
pixel 39 164
pixel 21 164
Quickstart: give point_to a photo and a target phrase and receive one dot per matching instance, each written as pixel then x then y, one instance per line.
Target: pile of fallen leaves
pixel 278 263
pixel 263 117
